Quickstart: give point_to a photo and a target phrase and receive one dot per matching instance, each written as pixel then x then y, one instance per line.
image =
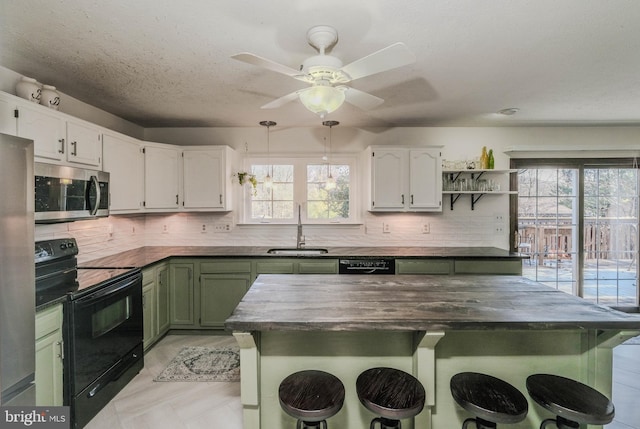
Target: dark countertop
pixel 148 255
pixel 415 303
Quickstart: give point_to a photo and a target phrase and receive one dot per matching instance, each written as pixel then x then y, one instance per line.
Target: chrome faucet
pixel 300 239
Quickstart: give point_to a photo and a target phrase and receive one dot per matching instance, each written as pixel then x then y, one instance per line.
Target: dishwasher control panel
pixel 376 266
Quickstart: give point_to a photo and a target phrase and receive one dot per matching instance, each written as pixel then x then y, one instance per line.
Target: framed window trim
pixel 300 163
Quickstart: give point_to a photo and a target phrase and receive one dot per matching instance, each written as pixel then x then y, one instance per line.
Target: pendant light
pixel 331 182
pixel 268 181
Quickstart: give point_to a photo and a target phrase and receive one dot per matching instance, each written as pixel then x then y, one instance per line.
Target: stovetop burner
pixel 56 269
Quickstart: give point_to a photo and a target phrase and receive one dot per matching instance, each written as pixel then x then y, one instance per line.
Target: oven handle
pixel 108 292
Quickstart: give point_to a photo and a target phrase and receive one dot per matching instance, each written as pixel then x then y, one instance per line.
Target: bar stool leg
pixel 480 423
pixel 386 423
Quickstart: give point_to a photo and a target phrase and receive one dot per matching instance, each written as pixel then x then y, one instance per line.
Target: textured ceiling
pixel 166 63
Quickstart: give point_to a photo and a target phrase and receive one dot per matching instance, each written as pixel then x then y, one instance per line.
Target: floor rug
pixel 203 364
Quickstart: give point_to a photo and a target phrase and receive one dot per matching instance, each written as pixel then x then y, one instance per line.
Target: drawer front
pixel 229 266
pixel 318 267
pixel 48 321
pixel 275 267
pixel 506 267
pixel 423 267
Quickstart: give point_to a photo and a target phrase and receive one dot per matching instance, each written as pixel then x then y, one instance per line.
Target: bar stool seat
pixel 572 402
pixel 391 394
pixel 490 399
pixel 311 397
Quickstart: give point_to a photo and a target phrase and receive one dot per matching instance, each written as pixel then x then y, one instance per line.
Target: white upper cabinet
pixel 58 138
pixel 425 179
pixel 84 143
pixel 404 179
pixel 47 130
pixel 206 178
pixel 8 122
pixel 161 177
pixel 124 160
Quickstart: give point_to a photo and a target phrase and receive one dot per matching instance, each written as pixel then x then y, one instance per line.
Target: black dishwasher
pixel 375 266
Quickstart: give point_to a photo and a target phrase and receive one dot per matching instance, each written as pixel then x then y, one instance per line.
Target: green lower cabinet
pixel 162 299
pixel 181 291
pixel 506 267
pixel 219 296
pixel 148 313
pixel 423 266
pixel 318 267
pixel 49 345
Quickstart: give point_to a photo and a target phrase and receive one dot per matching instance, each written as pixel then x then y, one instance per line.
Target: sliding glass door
pixel 578 222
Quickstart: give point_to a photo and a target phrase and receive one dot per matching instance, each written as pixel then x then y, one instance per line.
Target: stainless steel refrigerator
pixel 17 272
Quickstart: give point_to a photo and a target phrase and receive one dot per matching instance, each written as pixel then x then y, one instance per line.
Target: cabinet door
pixel 124 160
pixel 219 296
pixel 181 294
pixel 162 299
pixel 48 374
pixel 204 181
pixel 84 145
pixel 8 122
pixel 148 314
pixel 46 129
pixel 161 178
pixel 425 179
pixel 388 181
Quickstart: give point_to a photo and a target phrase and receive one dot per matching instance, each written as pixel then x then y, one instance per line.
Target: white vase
pixel 29 88
pixel 50 97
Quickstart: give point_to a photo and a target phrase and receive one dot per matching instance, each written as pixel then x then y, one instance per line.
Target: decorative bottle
pixel 49 97
pixel 29 89
pixel 484 159
pixel 491 161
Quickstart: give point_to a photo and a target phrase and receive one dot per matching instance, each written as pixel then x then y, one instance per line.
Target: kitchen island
pixel 429 326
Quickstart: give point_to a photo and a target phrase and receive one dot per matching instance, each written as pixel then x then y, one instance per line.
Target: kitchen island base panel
pixel 268 357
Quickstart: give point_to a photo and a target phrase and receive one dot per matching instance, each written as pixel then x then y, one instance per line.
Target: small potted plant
pixel 244 178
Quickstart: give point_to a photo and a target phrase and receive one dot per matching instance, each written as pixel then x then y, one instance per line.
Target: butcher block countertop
pixel 148 255
pixel 415 303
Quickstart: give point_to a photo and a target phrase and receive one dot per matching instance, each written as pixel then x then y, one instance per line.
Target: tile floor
pixel 144 403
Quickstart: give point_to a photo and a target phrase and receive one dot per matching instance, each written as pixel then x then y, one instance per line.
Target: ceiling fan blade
pixel 361 99
pixel 250 58
pixel 278 102
pixel 391 57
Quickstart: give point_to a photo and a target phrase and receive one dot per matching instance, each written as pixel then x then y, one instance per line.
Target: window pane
pixel 274 202
pixel 323 201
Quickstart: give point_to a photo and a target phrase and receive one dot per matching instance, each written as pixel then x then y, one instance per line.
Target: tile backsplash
pixel 458 228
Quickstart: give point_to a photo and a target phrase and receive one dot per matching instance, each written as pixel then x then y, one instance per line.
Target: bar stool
pixel 391 394
pixel 311 397
pixel 490 399
pixel 572 402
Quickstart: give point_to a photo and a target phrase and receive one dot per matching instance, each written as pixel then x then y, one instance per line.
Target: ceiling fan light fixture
pixel 322 99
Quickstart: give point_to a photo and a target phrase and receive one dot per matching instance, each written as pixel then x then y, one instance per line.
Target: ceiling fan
pixel 328 76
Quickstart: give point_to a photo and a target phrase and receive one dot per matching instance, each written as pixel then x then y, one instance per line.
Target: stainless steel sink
pixel 297 252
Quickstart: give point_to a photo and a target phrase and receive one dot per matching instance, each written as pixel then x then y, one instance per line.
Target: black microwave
pixel 65 194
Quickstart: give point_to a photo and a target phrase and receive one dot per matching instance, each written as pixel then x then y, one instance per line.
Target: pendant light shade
pixel 268 181
pixel 322 99
pixel 330 184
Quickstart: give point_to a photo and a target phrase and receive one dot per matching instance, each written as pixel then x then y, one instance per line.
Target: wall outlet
pixel 165 228
pixel 222 227
pixel 204 229
pixel 426 228
pixel 386 228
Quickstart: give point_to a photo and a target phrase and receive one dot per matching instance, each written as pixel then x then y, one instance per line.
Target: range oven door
pixel 104 346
